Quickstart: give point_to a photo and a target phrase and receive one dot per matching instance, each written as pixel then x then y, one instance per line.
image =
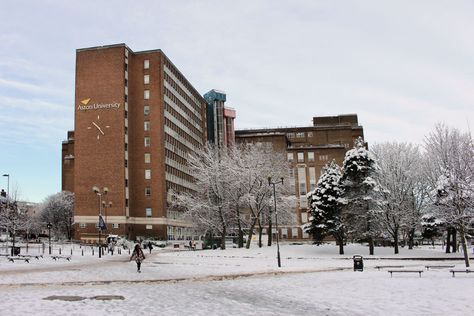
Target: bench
pixel 438 266
pixel 460 271
pixel 382 267
pixel 31 256
pixel 68 258
pixel 12 259
pixel 405 271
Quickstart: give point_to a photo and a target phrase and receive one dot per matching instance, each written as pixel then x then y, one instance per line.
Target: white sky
pixel 402 66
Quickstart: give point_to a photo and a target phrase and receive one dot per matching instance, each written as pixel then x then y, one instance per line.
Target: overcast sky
pixel 402 66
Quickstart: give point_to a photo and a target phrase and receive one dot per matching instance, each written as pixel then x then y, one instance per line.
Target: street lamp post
pixel 97 191
pixel 270 182
pixel 8 186
pixel 49 235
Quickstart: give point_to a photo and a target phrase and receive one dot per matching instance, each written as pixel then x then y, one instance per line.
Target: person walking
pixel 138 256
pixel 150 247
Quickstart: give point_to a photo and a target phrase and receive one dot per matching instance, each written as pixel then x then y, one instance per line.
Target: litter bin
pixel 15 251
pixel 358 263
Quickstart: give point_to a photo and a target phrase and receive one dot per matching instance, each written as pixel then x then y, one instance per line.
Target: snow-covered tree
pixel 451 160
pixel 431 227
pixel 260 162
pixel 208 208
pixel 58 209
pixel 359 168
pixel 233 194
pixel 12 217
pixel 398 177
pixel 325 207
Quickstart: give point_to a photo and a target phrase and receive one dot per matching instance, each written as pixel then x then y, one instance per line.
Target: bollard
pixel 59 250
pixel 82 252
pixel 92 251
pixel 71 251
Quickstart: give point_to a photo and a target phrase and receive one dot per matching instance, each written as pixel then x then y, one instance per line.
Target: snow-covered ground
pixel 312 279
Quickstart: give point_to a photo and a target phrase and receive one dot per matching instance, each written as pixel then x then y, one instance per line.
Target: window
pixel 147 141
pixel 323 157
pixel 82 225
pixel 310 134
pixel 126 163
pixel 146 126
pixel 115 225
pixel 146 79
pixel 146 110
pixel 146 94
pixel 290 135
pixel 147 191
pixel 302 180
pixel 312 178
pixel 149 227
pixel 310 156
pixel 300 157
pixel 147 174
pixel 146 64
pixel 300 135
pixel 147 157
pixel 290 157
pixel 148 211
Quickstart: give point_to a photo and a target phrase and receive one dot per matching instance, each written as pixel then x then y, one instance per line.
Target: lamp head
pixel 6 175
pixel 106 189
pixel 269 180
pixel 95 189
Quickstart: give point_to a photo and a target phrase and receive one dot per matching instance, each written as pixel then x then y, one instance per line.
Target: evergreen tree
pixel 359 169
pixel 325 207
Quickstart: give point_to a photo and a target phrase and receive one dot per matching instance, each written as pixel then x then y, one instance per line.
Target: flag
pixel 102 224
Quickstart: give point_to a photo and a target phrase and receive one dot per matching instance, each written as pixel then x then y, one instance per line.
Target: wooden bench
pixel 12 259
pixel 68 258
pixel 31 256
pixel 383 267
pixel 438 266
pixel 405 271
pixel 460 271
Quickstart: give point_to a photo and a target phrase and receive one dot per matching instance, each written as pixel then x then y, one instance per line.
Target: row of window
pixel 310 157
pixel 196 106
pixel 182 120
pixel 182 133
pixel 299 134
pixel 196 118
pixel 178 173
pixel 176 187
pixel 183 80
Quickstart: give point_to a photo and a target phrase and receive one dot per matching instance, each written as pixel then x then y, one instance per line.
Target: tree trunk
pixel 260 232
pixel 249 239
pixel 240 236
pixel 454 242
pixel 448 240
pixel 269 232
pixel 395 238
pixel 340 240
pixel 411 237
pixel 224 231
pixel 224 228
pixel 462 236
pixel 371 245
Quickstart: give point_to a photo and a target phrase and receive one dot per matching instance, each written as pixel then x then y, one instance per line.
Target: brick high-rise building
pixel 136 118
pixel 308 150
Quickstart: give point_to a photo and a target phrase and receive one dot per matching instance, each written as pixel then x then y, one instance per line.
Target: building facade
pixel 220 119
pixel 308 150
pixel 136 119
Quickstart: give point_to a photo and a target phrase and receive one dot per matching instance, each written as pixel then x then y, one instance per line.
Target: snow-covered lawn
pixel 313 280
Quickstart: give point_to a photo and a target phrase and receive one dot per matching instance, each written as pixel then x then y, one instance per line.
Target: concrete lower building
pixel 308 150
